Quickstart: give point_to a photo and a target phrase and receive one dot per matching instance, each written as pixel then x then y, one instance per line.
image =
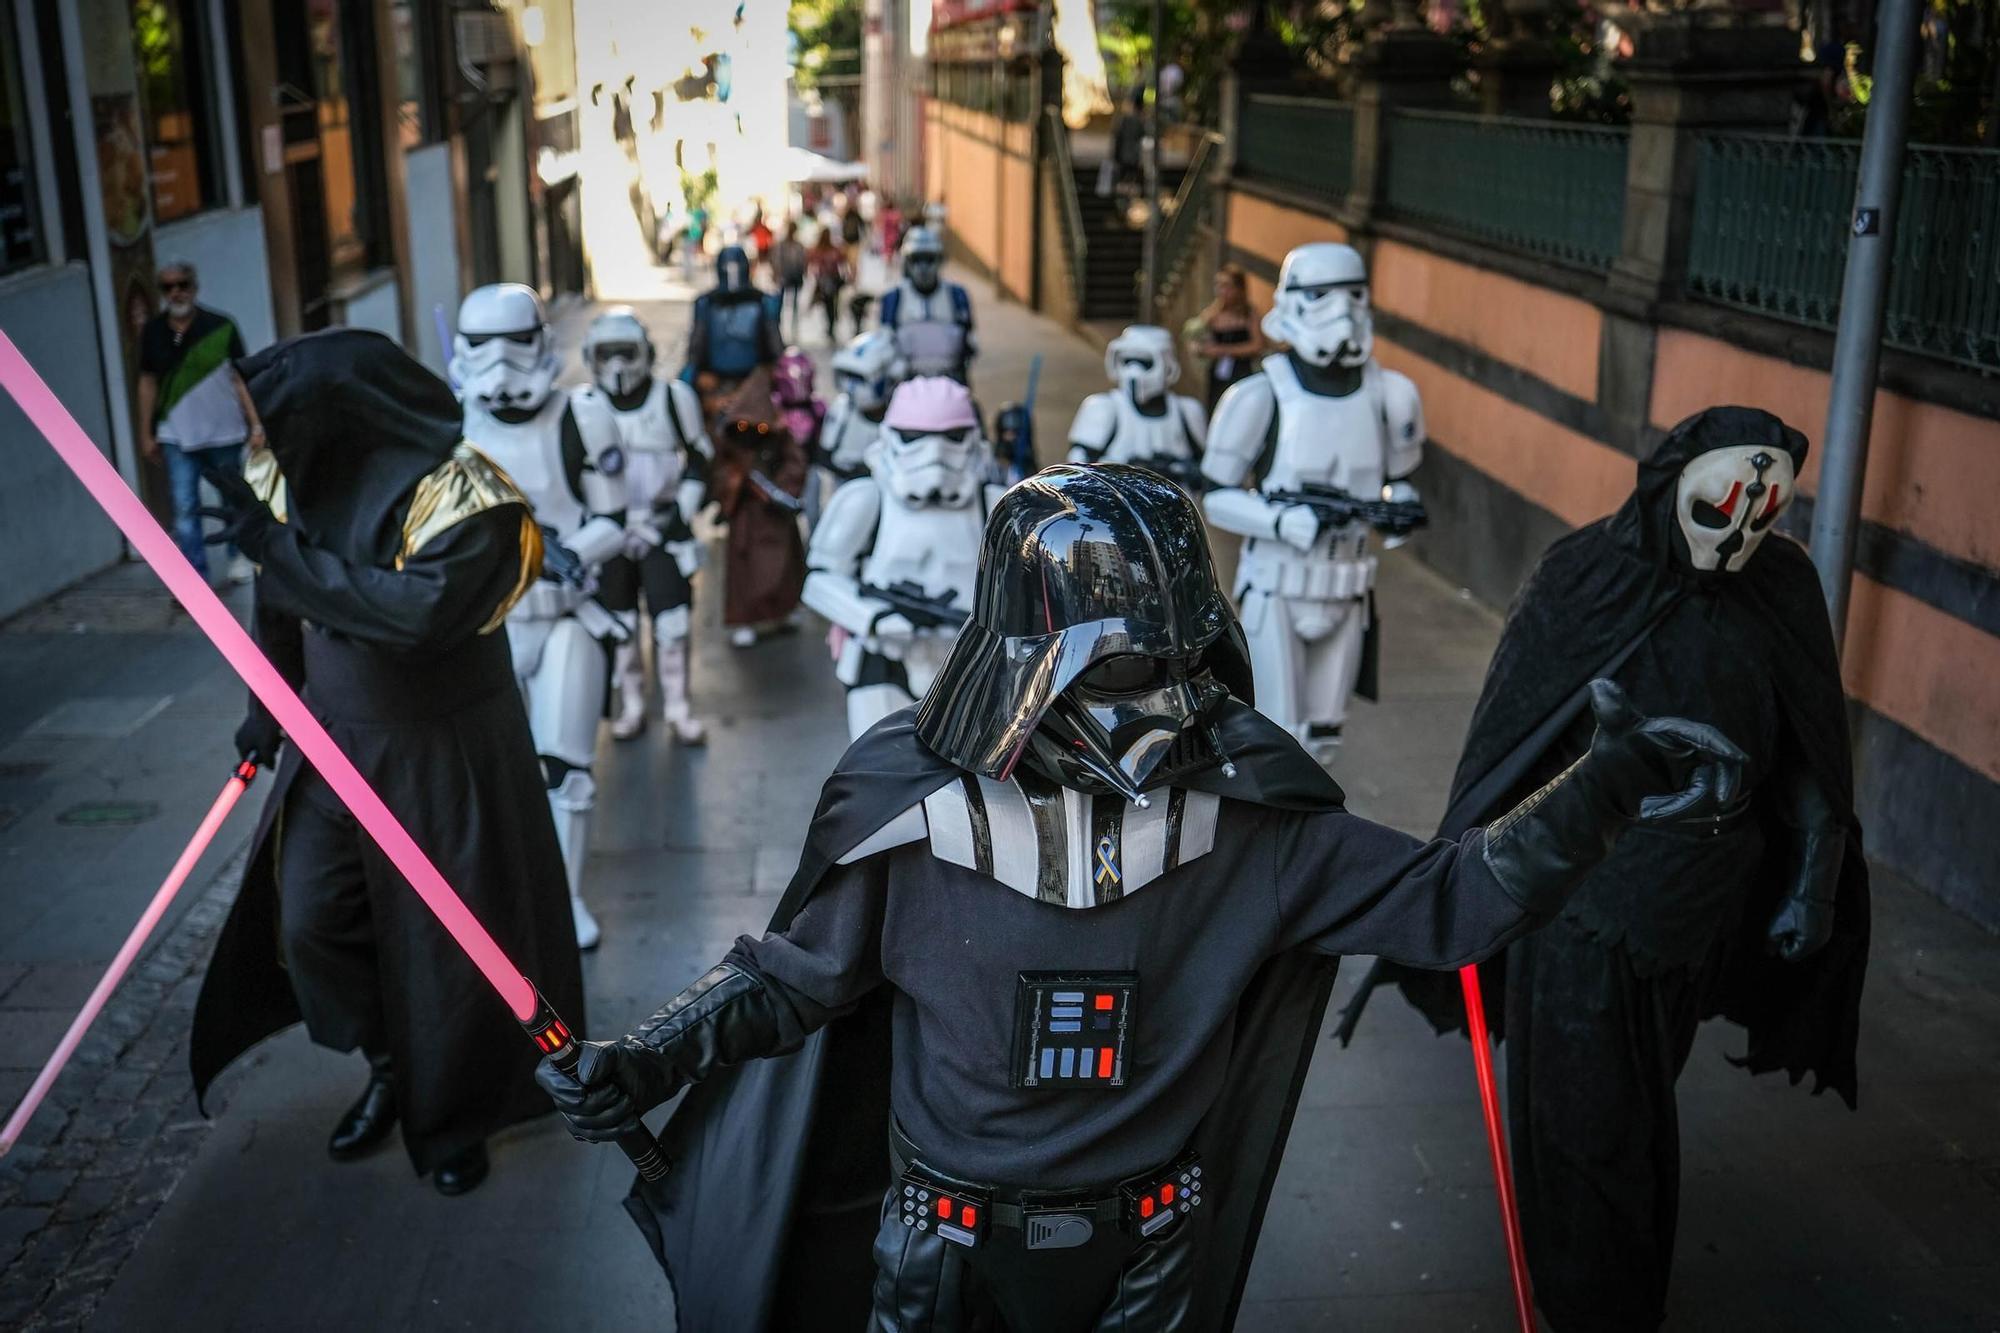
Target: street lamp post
pixel 1857 348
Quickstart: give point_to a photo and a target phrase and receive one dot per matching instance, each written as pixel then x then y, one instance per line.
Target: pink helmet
pixel 792 378
pixel 932 404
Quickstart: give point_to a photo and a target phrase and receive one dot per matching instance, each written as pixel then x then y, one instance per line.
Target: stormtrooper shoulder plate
pixel 1403 414
pixel 1050 843
pixel 1096 424
pixel 846 527
pixel 1238 435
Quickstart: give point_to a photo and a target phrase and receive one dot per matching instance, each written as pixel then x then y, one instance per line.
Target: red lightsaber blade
pixel 550 1034
pixel 1496 1143
pixel 127 952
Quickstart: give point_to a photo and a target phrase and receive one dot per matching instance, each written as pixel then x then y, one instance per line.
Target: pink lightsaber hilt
pixel 74 446
pixel 1496 1144
pixel 553 1036
pixel 127 953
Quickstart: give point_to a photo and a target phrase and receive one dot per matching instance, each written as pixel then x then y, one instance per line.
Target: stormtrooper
pixel 1306 455
pixel 556 448
pixel 864 374
pixel 663 461
pixel 930 319
pixel 1140 421
pixel 894 558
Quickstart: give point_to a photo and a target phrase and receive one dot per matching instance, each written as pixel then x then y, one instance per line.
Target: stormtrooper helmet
pixel 923 258
pixel 618 352
pixel 1142 362
pixel 931 451
pixel 503 355
pixel 861 370
pixel 1321 308
pixel 1728 498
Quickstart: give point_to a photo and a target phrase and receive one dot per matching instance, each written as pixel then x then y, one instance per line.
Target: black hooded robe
pixel 1599 1009
pixel 381 600
pixel 780 1165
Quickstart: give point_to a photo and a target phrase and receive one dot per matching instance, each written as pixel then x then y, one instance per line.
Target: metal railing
pixel 1061 167
pixel 1188 210
pixel 1772 221
pixel 1304 143
pixel 1544 188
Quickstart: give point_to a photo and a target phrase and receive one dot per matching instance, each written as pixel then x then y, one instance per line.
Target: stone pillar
pixel 1398 68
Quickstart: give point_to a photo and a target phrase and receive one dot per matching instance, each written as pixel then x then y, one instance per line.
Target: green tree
pixel 828 33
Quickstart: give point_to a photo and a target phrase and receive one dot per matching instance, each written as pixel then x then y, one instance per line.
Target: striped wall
pixel 1516 379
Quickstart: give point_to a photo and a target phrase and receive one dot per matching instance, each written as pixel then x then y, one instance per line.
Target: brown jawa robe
pixel 765 558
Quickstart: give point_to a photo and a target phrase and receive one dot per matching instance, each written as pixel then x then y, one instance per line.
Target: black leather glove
pixel 246 520
pixel 559 563
pixel 258 739
pixel 1803 923
pixel 727 1017
pixel 1639 770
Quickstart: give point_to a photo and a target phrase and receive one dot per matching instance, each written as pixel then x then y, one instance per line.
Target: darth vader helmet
pixel 1100 645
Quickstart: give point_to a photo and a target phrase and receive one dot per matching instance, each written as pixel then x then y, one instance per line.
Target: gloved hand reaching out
pixel 247 521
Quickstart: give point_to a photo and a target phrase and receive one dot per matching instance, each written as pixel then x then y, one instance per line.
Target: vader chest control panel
pixel 1073 1029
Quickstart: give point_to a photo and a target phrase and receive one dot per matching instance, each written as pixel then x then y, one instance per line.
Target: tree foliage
pixel 828 33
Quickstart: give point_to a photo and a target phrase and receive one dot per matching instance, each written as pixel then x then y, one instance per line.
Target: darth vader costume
pixel 1687 599
pixel 389 553
pixel 1042 991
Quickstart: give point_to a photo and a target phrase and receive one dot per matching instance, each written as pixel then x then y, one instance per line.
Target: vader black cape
pixel 762 1148
pixel 1589 603
pixel 402 549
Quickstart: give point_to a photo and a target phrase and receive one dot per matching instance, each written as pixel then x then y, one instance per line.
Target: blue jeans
pixel 184 476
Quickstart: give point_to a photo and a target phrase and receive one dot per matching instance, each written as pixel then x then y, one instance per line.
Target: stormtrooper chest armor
pixel 652 445
pixel 1325 440
pixel 1139 437
pixel 530 452
pixel 928 333
pixel 1057 846
pixel 929 545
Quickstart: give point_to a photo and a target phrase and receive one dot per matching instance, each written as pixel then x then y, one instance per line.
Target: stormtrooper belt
pixel 967 1213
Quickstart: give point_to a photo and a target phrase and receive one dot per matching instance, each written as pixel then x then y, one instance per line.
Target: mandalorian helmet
pixel 618 352
pixel 503 355
pixel 923 258
pixel 1141 361
pixel 732 270
pixel 1321 308
pixel 931 451
pixel 1100 645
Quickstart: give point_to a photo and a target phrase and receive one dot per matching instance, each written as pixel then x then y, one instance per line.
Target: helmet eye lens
pixel 911 436
pixel 1128 673
pixel 957 434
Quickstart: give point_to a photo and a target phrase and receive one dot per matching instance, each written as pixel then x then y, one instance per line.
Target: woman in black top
pixel 1227 335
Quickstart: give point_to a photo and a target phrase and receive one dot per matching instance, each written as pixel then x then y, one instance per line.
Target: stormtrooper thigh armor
pixel 561 670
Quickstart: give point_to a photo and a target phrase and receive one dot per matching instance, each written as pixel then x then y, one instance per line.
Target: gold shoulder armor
pixel 261 471
pixel 470 483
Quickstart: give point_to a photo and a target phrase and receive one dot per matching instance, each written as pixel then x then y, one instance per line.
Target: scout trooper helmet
pixel 503 355
pixel 618 352
pixel 931 451
pixel 1738 471
pixel 923 258
pixel 861 370
pixel 1321 307
pixel 1100 645
pixel 1142 362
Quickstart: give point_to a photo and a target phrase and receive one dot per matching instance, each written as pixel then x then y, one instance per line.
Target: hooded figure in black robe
pixel 389 553
pixel 1085 811
pixel 1761 918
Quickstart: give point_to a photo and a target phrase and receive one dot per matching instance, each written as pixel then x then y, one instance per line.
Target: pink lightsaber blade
pixel 550 1034
pixel 127 952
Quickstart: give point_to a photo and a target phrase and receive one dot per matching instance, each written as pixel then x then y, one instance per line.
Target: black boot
pixel 463 1171
pixel 370 1119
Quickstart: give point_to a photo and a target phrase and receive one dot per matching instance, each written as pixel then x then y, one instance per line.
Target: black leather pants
pixel 1112 1284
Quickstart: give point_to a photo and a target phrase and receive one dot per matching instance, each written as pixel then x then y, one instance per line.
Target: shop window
pixel 21 240
pixel 417 98
pixel 180 146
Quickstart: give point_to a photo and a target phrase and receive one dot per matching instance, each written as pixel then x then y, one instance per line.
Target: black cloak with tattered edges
pixel 762 1149
pixel 1588 604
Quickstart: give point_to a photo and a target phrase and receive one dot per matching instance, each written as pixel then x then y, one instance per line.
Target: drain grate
pixel 109 812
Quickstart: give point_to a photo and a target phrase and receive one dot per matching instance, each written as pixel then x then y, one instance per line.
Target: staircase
pixel 1117 249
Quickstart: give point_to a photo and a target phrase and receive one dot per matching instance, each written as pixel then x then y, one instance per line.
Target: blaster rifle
pixel 1336 509
pixel 907 599
pixel 776 494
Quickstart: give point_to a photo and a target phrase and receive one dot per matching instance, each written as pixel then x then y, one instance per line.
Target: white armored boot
pixel 571 804
pixel 673 662
pixel 628 669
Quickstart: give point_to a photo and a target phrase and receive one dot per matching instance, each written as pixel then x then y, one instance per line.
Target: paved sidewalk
pixel 1798 1215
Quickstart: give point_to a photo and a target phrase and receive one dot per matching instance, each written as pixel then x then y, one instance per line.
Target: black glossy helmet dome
pixel 1099 639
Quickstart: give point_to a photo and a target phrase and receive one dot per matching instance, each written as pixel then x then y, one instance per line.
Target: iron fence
pixel 1553 190
pixel 1773 216
pixel 1305 143
pixel 1185 214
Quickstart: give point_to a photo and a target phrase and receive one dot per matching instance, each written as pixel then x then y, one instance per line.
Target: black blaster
pixel 1336 509
pixel 906 598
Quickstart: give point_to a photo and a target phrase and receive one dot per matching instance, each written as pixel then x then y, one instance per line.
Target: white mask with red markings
pixel 1728 499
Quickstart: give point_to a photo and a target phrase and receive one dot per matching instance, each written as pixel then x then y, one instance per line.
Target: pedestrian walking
pixel 390 554
pixel 788 261
pixel 827 263
pixel 194 412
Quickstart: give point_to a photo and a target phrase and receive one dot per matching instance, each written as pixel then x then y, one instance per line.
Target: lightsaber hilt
pixel 554 1038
